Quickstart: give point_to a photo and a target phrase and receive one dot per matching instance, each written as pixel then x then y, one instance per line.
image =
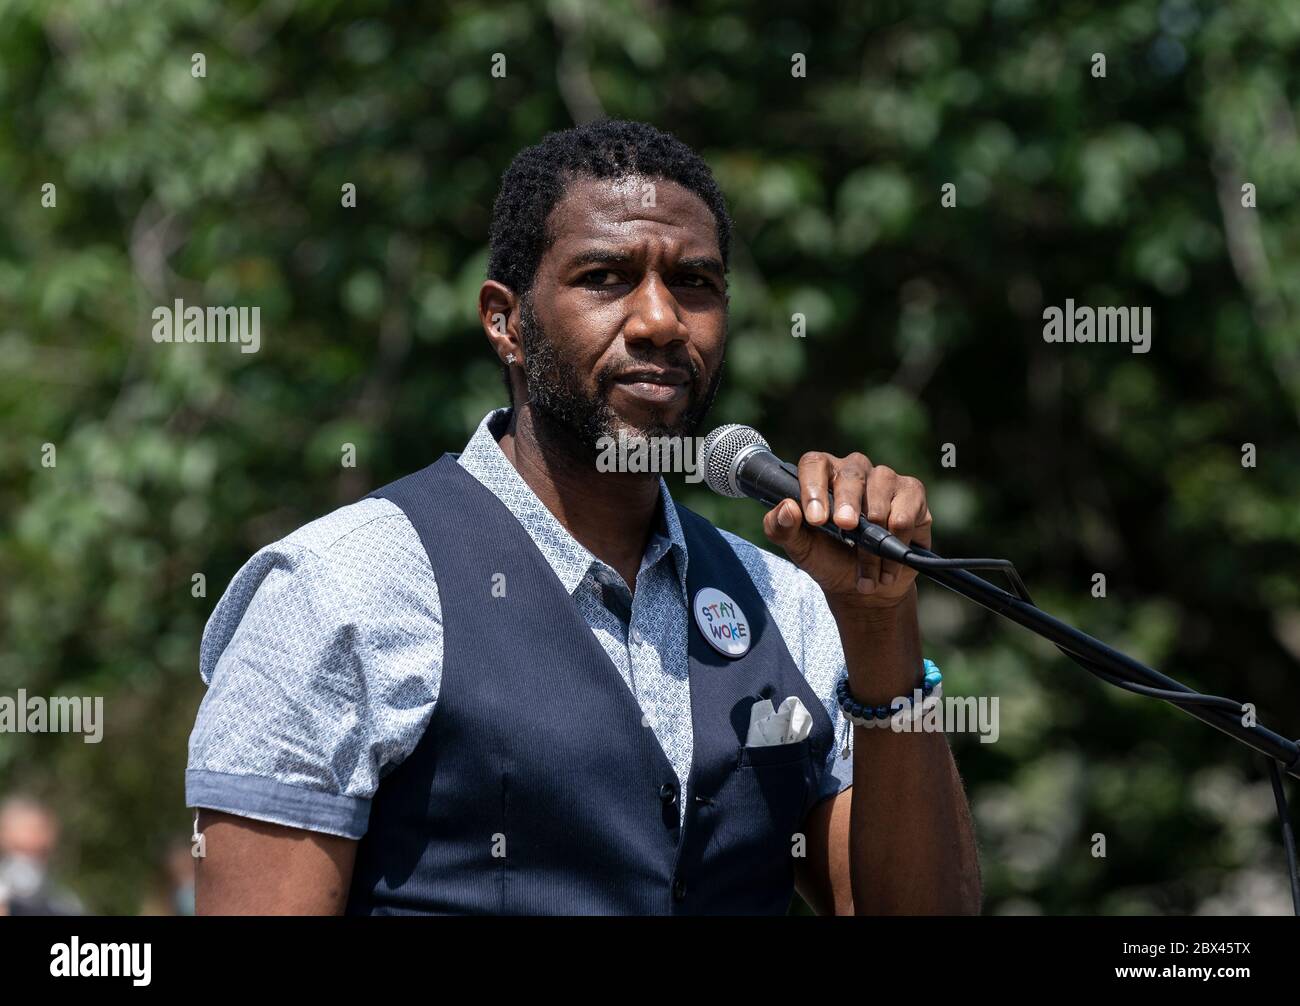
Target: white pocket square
pixel 785 725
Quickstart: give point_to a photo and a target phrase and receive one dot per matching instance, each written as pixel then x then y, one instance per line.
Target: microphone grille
pixel 721 447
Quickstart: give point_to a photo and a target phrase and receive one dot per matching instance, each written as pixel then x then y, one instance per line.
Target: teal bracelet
pixel 931 685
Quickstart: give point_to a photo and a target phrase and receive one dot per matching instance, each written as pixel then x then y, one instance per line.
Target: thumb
pixel 794 536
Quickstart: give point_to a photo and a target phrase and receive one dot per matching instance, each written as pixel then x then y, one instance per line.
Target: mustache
pixel 608 375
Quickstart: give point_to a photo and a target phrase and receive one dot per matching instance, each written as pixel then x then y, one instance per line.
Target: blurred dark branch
pixel 1245 241
pixel 149 245
pixel 572 74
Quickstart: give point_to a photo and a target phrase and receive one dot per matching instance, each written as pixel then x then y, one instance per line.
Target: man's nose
pixel 654 314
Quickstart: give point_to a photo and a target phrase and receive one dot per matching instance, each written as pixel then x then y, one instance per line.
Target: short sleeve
pixel 314 689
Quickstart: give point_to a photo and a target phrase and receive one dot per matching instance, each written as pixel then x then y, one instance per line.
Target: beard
pixel 567 415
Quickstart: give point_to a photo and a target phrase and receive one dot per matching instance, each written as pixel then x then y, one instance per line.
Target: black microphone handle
pixel 765 477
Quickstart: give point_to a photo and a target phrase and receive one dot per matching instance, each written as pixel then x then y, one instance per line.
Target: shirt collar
pixel 569 558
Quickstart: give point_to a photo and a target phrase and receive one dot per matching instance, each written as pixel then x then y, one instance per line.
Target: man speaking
pixel 515 683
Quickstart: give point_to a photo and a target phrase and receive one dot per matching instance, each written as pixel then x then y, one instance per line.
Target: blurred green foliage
pixel 924 329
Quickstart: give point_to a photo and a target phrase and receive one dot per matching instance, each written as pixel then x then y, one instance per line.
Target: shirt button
pixel 679 889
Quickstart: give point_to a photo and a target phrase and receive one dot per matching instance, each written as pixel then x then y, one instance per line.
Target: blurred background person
pixel 29 837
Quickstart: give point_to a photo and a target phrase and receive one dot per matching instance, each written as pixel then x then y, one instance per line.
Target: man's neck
pixel 612 514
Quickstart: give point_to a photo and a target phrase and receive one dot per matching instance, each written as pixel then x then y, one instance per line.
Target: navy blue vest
pixel 535 788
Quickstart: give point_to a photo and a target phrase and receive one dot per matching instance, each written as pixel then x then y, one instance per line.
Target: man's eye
pixel 703 283
pixel 588 277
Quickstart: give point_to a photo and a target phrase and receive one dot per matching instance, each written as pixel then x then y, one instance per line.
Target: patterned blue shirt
pixel 323 657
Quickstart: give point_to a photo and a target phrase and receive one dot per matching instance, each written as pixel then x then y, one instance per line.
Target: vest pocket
pixel 775 780
pixel 759 812
pixel 775 754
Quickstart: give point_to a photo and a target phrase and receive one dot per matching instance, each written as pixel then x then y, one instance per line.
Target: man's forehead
pixel 613 208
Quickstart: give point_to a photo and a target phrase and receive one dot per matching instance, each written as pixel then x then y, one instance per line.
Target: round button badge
pixel 722 622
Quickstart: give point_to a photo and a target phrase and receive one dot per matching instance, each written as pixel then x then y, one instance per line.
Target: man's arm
pixel 823 877
pixel 254 868
pixel 911 843
pixel 907 844
pixel 308 659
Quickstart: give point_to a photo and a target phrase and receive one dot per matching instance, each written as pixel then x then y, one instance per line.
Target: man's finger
pixel 909 499
pixel 882 484
pixel 923 527
pixel 784 525
pixel 849 489
pixel 814 485
pixel 868 570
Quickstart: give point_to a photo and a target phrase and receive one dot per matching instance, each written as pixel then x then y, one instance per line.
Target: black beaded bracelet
pixel 854 710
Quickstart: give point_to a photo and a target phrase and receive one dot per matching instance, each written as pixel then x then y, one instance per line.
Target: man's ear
pixel 498 309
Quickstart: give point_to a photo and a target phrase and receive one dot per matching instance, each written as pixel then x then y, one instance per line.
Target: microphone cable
pixel 731 448
pixel 923 560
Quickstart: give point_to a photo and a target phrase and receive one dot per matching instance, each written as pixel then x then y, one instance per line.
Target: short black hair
pixel 539 176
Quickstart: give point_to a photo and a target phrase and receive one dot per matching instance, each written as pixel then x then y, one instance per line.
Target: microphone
pixel 738 463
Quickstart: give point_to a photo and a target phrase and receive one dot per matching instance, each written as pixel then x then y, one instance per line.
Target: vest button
pixel 679 889
pixel 668 793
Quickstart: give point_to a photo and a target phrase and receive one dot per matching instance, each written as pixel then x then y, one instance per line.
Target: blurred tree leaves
pixel 923 328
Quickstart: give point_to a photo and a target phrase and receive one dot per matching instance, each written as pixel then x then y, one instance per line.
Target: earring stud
pixel 510 358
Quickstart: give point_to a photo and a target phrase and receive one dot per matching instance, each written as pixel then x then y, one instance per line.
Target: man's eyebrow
pixel 599 256
pixel 612 256
pixel 704 263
